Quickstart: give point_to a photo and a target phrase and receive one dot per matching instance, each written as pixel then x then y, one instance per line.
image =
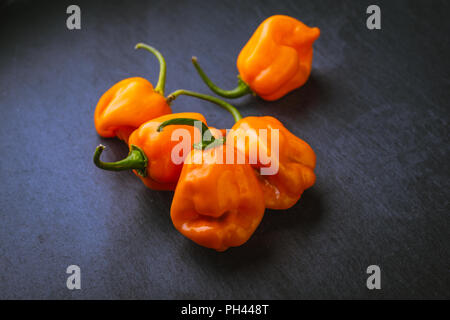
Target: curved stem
pixel 241 90
pixel 162 66
pixel 234 112
pixel 136 160
pixel 208 140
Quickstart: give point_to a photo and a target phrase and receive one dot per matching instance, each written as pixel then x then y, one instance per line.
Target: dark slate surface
pixel 375 110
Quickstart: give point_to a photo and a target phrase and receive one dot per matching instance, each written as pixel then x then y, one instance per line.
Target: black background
pixel 375 111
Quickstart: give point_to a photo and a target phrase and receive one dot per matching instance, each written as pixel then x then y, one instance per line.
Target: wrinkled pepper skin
pixel 296 161
pixel 217 205
pixel 162 172
pixel 277 59
pixel 127 105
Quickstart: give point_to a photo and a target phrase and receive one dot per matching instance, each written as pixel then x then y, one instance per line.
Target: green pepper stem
pixel 208 140
pixel 241 90
pixel 162 66
pixel 234 112
pixel 136 160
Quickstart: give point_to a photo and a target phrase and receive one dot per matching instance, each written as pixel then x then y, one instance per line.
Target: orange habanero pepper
pixel 276 60
pixel 150 155
pixel 217 205
pixel 294 159
pixel 131 102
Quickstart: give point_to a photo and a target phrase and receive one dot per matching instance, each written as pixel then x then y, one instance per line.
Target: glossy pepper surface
pixel 131 102
pixel 278 57
pixel 296 160
pixel 151 152
pixel 216 204
pixel 276 60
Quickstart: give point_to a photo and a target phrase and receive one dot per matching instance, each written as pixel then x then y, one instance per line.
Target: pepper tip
pixel 170 98
pixel 138 45
pixel 97 153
